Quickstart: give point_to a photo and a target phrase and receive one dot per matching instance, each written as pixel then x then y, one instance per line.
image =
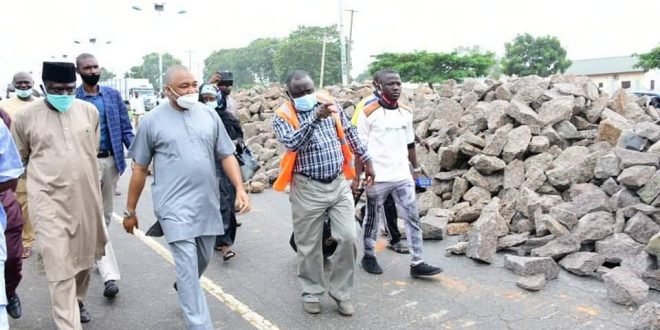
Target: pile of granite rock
pixel 550 170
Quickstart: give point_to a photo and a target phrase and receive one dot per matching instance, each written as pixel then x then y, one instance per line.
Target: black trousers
pixel 228 211
pixel 391 217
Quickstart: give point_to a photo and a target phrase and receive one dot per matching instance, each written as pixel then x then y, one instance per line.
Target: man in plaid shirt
pixel 319 186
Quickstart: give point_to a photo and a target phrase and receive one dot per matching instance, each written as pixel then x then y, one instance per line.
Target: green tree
pixel 106 74
pixel 528 55
pixel 364 76
pixel 235 60
pixel 260 59
pixel 430 68
pixel 149 68
pixel 302 50
pixel 650 60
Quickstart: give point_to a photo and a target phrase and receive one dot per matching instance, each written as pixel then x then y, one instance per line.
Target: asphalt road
pixel 259 287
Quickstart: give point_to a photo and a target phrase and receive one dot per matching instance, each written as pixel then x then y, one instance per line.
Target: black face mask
pixel 90 80
pixel 225 92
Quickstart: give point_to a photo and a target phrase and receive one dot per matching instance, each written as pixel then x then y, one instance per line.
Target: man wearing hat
pixel 58 139
pixel 225 80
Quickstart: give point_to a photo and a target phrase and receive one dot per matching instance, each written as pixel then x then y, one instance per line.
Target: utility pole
pixel 322 62
pixel 349 63
pixel 342 43
pixel 190 58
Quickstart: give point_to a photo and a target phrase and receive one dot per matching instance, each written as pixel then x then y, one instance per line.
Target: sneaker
pixel 312 307
pixel 85 317
pixel 111 289
pixel 424 269
pixel 344 307
pixel 370 264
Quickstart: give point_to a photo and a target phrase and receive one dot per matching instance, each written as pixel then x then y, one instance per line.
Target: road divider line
pixel 208 285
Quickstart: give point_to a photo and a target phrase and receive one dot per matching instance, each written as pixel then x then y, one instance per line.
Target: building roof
pixel 607 65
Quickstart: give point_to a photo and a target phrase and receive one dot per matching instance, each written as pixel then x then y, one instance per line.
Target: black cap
pixel 60 72
pixel 226 76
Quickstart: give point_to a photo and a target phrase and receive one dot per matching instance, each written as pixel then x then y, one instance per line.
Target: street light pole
pixel 159 8
pixel 160 44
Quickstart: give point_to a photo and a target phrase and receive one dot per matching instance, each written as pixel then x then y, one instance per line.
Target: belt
pixel 104 154
pixel 327 180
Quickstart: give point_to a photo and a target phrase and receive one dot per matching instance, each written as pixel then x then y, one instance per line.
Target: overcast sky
pixel 35 30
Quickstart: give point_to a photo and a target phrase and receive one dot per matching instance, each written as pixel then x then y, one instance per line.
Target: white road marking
pixel 213 289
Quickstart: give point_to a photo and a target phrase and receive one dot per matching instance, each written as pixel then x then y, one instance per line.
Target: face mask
pixel 305 103
pixel 90 80
pixel 60 102
pixel 24 93
pixel 212 105
pixel 186 101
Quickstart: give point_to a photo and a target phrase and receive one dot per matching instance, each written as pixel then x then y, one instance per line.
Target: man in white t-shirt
pixel 137 106
pixel 386 127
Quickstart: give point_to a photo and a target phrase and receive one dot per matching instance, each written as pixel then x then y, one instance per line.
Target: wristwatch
pixel 129 214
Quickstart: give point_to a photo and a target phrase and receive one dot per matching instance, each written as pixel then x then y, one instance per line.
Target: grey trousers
pixel 191 257
pixel 403 193
pixel 310 199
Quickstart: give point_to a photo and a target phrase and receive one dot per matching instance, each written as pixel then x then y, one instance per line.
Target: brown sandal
pixel 27 252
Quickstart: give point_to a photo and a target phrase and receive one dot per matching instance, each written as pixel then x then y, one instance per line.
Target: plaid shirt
pixel 116 117
pixel 317 143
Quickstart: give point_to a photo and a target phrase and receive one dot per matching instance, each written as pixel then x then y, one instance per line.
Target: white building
pixel 612 73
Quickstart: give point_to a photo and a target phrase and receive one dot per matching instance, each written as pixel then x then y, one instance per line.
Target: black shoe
pixel 370 264
pixel 111 289
pixel 84 314
pixel 424 269
pixel 14 307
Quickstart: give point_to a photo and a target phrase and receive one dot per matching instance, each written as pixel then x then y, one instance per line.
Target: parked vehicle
pixel 128 86
pixel 653 96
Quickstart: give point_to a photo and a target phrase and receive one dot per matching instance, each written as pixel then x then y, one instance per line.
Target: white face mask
pixel 186 101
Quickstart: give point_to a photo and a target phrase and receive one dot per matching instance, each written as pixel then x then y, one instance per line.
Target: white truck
pixel 128 86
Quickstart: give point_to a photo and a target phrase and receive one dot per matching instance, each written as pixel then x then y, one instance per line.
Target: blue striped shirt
pixel 317 143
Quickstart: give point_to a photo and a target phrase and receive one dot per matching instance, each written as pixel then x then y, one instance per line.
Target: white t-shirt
pixel 387 133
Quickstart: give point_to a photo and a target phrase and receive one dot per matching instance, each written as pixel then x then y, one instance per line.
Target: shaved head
pixel 82 57
pixel 173 71
pixel 22 76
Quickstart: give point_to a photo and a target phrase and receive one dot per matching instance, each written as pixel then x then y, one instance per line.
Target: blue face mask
pixel 305 103
pixel 24 93
pixel 212 105
pixel 60 102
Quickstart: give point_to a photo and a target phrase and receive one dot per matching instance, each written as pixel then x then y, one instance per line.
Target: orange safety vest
pixel 288 113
